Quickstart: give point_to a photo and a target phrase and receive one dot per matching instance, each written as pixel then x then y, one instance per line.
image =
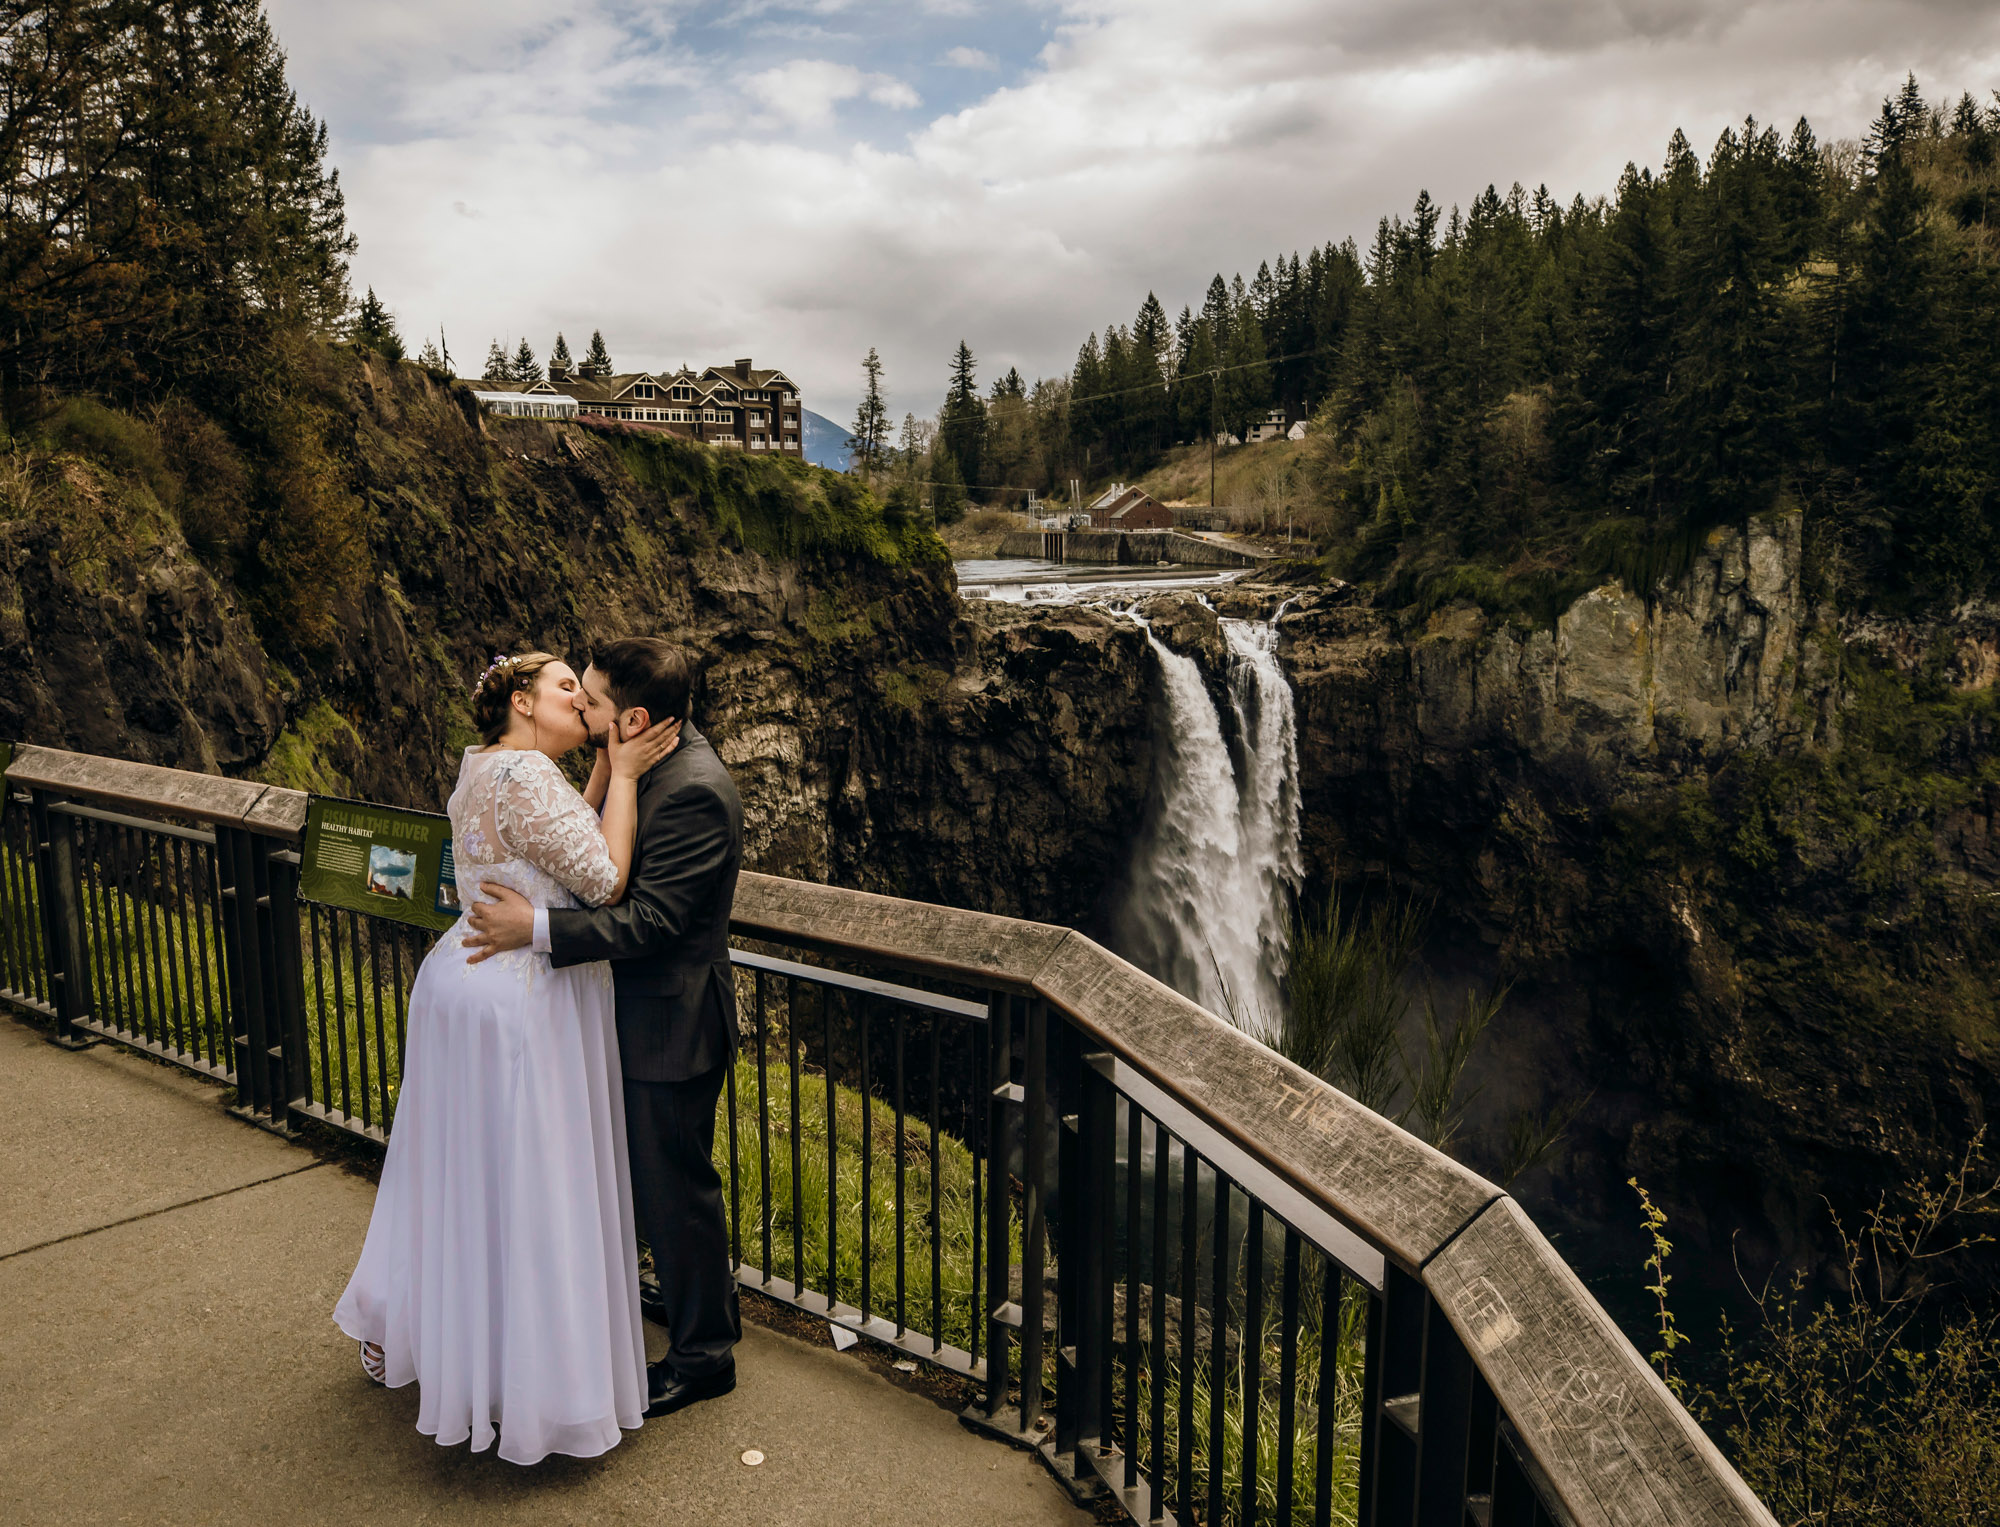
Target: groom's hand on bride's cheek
pixel 506 921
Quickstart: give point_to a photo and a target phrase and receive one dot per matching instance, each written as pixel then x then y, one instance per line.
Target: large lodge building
pixel 738 405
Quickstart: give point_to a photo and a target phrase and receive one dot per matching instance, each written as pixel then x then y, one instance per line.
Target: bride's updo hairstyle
pixel 493 694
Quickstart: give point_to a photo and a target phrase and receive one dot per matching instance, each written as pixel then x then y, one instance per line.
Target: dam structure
pixel 1129 548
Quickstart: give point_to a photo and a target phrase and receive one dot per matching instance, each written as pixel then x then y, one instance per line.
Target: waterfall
pixel 1207 906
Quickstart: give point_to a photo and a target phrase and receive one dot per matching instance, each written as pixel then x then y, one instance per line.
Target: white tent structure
pixel 527 405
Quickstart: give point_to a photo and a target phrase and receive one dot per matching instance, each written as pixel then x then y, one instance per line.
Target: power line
pixel 1206 371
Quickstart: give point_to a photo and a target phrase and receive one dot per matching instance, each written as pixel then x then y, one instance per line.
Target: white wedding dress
pixel 499 1269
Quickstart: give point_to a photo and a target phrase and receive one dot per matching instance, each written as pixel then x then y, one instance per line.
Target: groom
pixel 668 944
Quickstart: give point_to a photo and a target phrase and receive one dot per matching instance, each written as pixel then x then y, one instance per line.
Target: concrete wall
pixel 1117 548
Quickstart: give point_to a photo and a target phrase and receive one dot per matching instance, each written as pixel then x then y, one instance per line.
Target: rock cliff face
pixel 1637 820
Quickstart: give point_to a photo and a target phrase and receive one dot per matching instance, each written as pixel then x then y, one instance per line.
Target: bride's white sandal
pixel 374 1363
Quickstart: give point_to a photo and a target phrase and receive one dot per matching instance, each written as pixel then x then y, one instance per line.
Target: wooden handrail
pixel 1612 1444
pixel 148 788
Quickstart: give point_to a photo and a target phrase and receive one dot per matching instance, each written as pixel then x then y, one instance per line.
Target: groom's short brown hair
pixel 646 671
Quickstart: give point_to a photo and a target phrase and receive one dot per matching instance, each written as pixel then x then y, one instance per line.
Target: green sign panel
pixel 379 861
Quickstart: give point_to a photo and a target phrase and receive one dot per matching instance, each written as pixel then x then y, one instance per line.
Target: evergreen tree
pixel 1197 393
pixel 596 360
pixel 870 446
pixel 170 217
pixel 1216 311
pixel 374 328
pixel 962 421
pixel 526 368
pixel 498 367
pixel 1246 382
pixel 1011 436
pixel 948 496
pixel 1732 411
pixel 559 358
pixel 432 358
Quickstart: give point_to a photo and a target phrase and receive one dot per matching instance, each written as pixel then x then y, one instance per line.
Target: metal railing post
pixel 259 976
pixel 59 889
pixel 1082 1227
pixel 1034 1207
pixel 1445 1433
pixel 279 914
pixel 1069 1232
pixel 1393 1401
pixel 1000 1090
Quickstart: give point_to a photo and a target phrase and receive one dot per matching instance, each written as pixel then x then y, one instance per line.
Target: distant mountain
pixel 826 442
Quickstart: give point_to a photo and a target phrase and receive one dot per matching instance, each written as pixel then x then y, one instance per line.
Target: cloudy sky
pixel 797 182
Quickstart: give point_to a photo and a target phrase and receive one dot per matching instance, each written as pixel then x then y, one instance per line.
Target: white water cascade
pixel 1207 906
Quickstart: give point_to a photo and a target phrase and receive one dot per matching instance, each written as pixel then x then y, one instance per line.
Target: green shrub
pixel 126 446
pixel 779 507
pixel 1877 1405
pixel 215 480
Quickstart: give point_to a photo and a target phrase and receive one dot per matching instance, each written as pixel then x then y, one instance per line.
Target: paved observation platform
pixel 167 1354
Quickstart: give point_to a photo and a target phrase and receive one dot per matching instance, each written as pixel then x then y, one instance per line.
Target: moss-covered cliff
pixel 1734 856
pixel 878 738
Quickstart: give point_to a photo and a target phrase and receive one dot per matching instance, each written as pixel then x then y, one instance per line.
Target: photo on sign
pixel 448 903
pixel 391 872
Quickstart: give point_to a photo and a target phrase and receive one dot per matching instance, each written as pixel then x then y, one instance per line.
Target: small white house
pixel 1272 428
pixel 527 405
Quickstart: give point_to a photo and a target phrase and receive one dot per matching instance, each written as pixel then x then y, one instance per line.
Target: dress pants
pixel 677 1202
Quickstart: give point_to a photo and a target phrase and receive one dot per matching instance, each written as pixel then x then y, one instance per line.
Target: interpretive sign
pixel 379 861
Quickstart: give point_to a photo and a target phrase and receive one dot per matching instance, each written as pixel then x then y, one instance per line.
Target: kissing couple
pixel 568 1041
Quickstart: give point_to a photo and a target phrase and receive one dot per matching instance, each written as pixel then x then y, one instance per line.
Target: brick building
pixel 1126 508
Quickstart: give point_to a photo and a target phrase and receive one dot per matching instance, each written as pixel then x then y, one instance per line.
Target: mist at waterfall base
pixel 1207 903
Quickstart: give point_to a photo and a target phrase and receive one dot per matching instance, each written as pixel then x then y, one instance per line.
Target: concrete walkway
pixel 166 1355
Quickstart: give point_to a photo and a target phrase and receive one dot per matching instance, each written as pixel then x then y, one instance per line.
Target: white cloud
pixel 893 92
pixel 970 58
pixel 805 91
pixel 619 183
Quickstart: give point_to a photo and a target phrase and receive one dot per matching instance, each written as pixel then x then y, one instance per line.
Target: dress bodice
pixel 515 819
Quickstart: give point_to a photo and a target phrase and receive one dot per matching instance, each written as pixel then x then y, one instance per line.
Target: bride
pixel 499 1269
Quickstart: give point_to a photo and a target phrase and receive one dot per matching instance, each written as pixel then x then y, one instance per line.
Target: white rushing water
pixel 1207 906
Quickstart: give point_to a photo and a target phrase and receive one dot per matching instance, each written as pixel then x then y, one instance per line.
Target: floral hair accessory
pixel 501 665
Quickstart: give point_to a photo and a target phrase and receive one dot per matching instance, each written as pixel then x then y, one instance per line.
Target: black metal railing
pixel 1197 1279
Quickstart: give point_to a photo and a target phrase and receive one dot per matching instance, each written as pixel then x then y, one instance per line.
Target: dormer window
pixel 643 390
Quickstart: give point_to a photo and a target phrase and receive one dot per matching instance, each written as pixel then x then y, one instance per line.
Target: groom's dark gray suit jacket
pixel 668 940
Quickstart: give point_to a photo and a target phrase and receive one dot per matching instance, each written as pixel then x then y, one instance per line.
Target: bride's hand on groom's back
pixel 633 756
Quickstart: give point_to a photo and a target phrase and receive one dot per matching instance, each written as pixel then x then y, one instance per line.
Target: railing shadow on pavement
pixel 1197 1279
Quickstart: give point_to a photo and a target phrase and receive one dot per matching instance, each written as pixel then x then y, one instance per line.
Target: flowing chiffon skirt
pixel 499 1269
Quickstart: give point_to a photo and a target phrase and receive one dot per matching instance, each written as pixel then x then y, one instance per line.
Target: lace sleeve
pixel 541 818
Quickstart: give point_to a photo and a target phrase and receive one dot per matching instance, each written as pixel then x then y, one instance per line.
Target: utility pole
pixel 1214 413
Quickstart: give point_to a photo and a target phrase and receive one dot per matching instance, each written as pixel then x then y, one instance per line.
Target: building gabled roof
pixel 750 376
pixel 1119 497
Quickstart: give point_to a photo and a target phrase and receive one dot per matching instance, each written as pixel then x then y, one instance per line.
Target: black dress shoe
pixel 650 1304
pixel 667 1391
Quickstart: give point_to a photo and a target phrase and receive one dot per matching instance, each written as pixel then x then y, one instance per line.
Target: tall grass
pixel 959 1212
pixel 1312 1388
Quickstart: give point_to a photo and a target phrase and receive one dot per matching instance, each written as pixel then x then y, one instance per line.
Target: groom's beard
pixel 599 740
